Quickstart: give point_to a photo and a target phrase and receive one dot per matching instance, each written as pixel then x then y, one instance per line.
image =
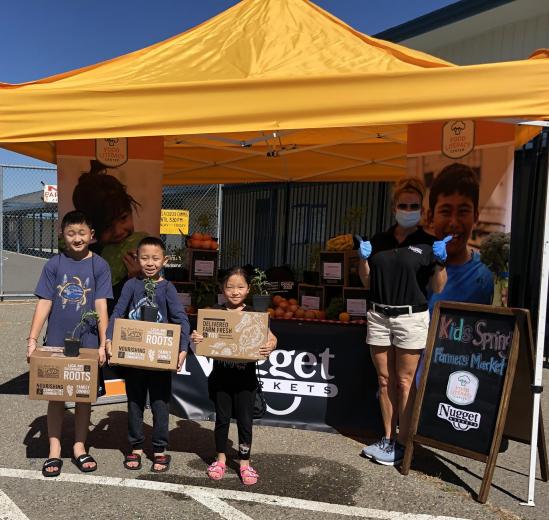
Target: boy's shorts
pixel 407 331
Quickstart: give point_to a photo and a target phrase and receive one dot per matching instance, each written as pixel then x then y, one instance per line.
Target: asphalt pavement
pixel 303 474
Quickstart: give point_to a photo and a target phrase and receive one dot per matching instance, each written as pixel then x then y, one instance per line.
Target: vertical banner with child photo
pixel 467 167
pixel 117 184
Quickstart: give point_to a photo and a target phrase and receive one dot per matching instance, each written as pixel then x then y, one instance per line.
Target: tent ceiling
pixel 338 101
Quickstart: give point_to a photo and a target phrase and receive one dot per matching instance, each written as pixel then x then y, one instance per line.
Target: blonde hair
pixel 408 185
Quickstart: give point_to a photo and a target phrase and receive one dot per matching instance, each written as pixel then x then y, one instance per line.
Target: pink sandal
pixel 248 475
pixel 216 470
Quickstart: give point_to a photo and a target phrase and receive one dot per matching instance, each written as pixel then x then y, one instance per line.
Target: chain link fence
pixel 28 225
pixel 203 201
pixel 28 235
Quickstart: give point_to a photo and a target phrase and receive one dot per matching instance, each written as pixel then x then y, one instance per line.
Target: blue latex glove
pixel 365 249
pixel 439 248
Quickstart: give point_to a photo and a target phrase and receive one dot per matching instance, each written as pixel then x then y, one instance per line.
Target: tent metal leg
pixel 540 342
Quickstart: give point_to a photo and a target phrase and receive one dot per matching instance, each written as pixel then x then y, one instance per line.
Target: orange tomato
pixel 344 316
pixel 292 301
pixel 283 304
pixel 300 313
pixel 292 308
pixel 288 315
pixel 276 299
pixel 213 245
pixel 279 312
pixel 197 236
pixel 310 315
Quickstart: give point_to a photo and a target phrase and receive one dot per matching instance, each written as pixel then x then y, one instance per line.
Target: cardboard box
pixel 144 344
pixel 356 301
pixel 339 268
pixel 202 264
pixel 233 335
pixel 54 377
pixel 310 296
pixel 185 291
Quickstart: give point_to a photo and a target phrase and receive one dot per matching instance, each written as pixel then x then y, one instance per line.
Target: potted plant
pixel 494 252
pixel 149 311
pixel 312 276
pixel 260 291
pixel 73 342
pixel 205 294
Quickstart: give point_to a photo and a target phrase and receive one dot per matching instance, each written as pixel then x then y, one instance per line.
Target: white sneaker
pixel 392 455
pixel 377 448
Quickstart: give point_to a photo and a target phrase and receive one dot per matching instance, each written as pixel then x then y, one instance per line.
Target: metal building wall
pixel 513 41
pixel 295 220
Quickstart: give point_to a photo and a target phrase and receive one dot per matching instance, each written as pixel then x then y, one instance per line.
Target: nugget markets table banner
pixel 320 377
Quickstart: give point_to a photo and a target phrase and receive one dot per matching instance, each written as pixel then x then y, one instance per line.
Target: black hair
pixel 102 197
pixel 455 178
pixel 75 217
pixel 152 241
pixel 239 271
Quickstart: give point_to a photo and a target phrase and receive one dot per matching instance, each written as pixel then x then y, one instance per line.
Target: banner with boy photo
pixel 117 183
pixel 472 160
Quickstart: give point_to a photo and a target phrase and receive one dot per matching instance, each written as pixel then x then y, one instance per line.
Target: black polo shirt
pixel 399 273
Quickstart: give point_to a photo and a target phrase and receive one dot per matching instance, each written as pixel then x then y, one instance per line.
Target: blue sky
pixel 41 38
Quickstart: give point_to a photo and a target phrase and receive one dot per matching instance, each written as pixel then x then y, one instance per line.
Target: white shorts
pixel 404 331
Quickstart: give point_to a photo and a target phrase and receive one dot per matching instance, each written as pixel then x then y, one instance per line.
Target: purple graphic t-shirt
pixel 73 286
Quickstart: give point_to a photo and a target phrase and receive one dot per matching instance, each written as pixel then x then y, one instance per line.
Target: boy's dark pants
pixel 159 385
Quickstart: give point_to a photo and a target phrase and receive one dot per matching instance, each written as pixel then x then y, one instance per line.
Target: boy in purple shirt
pixel 151 254
pixel 71 282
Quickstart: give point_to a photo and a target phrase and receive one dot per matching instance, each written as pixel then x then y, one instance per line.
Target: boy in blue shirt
pixel 73 281
pixel 151 255
pixel 453 210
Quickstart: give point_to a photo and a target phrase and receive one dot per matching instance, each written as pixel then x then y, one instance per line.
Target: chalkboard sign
pixel 468 382
pixel 469 362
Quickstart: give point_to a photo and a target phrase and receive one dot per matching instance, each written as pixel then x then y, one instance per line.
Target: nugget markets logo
pixel 461 420
pixel 294 374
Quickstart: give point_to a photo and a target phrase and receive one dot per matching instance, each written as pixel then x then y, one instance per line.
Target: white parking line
pixel 213 497
pixel 218 506
pixel 8 510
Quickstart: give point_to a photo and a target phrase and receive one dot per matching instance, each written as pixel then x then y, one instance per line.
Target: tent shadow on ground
pixel 436 465
pixel 288 475
pixel 191 437
pixel 108 433
pixel 432 464
pixel 17 386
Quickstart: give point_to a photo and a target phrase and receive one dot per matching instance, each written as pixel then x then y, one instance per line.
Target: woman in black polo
pixel 397 265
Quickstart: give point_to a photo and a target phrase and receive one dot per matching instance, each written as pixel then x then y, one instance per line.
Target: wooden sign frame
pixel 522 348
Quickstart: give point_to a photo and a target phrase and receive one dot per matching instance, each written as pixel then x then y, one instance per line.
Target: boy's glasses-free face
pixel 408 207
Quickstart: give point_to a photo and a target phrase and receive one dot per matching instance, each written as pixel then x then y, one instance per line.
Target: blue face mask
pixel 407 219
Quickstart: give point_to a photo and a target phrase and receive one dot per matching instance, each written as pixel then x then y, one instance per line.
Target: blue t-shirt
pixel 471 282
pixel 170 308
pixel 73 286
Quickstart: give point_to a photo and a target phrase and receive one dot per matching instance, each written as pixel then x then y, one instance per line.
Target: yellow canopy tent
pixel 269 90
pixel 276 90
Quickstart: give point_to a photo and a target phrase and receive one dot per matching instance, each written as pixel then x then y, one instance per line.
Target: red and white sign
pixel 50 194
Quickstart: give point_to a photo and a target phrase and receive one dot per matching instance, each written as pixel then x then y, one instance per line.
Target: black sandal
pixel 52 463
pixel 162 460
pixel 83 459
pixel 132 457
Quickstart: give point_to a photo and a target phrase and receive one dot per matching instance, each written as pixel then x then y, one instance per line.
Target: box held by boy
pixel 145 344
pixel 232 335
pixel 55 377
